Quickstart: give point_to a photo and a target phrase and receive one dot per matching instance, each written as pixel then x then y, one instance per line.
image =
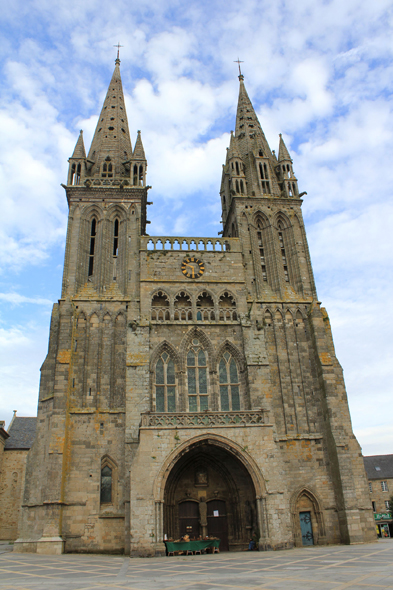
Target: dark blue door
pixel 306 528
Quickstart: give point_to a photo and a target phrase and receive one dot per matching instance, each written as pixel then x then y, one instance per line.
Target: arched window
pixel 283 254
pixel 141 175
pixel 165 384
pixel 198 399
pixel 93 232
pixel 135 175
pixel 106 485
pixel 229 384
pixel 237 168
pixel 116 238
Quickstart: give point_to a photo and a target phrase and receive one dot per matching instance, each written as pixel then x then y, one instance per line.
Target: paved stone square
pixel 355 567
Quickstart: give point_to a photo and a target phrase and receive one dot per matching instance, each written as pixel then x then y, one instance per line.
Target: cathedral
pixel 191 384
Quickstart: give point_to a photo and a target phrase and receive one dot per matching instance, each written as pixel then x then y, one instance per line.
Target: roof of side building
pixel 379 466
pixel 22 433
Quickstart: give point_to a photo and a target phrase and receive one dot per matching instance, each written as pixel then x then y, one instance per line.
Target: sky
pixel 319 72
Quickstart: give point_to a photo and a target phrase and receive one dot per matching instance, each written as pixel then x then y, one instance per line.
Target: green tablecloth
pixel 191 545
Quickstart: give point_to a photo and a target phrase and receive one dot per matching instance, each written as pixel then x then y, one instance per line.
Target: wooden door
pixel 217 524
pixel 189 519
pixel 306 528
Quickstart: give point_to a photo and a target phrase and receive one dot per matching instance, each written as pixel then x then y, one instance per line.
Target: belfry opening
pixel 209 492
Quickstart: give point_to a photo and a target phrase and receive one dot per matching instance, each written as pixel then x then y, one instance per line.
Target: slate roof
pixel 22 433
pixel 385 464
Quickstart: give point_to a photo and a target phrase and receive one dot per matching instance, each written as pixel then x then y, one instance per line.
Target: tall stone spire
pixel 248 129
pixel 111 142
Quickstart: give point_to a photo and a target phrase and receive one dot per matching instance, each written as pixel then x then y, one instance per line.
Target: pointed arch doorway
pixel 209 492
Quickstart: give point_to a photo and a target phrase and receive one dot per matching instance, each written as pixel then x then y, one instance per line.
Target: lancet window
pixel 165 384
pixel 198 399
pixel 107 169
pixel 261 252
pixel 229 383
pixel 263 172
pixel 106 485
pixel 93 233
pixel 116 238
pixel 283 254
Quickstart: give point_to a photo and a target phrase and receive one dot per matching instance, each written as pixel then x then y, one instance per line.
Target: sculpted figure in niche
pixel 201 477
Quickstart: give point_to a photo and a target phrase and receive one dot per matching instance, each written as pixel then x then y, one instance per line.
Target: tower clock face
pixel 192 268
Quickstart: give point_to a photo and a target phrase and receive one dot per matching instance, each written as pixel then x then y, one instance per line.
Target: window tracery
pixel 229 383
pixel 198 399
pixel 165 384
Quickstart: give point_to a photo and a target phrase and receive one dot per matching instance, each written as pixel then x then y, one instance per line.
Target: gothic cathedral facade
pixel 191 384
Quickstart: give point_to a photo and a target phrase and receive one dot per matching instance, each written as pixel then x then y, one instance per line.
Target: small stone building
pixel 14 447
pixel 379 469
pixel 191 383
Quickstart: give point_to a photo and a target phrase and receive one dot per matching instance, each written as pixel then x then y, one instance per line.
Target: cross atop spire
pixel 117 60
pixel 238 62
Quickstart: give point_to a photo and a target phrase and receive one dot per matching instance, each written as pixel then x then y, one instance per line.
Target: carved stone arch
pixel 200 335
pixel 167 347
pixel 120 317
pixel 234 352
pixel 160 293
pixel 94 318
pixel 229 294
pixel 91 211
pixel 261 219
pixel 268 318
pixel 306 499
pixel 203 293
pixel 81 319
pixel 230 446
pixel 282 219
pixel 299 316
pixel 288 316
pixel 116 210
pixel 182 293
pixel 278 315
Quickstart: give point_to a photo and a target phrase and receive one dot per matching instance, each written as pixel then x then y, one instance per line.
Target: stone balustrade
pixel 204 419
pixel 190 244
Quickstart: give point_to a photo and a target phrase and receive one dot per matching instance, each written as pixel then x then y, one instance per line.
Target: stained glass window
pixel 229 384
pixel 165 384
pixel 198 398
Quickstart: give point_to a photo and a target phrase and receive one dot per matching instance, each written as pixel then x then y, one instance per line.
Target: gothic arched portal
pixel 209 491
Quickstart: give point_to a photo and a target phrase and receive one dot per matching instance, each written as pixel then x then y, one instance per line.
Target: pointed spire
pixel 283 153
pixel 248 129
pixel 79 150
pixel 139 152
pixel 112 137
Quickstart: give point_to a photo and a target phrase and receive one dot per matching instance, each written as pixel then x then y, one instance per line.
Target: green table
pixel 172 546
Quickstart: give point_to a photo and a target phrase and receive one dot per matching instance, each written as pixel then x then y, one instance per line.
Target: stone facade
pixel 191 384
pixel 14 447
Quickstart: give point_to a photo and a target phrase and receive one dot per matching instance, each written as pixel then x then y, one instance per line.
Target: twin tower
pixel 191 383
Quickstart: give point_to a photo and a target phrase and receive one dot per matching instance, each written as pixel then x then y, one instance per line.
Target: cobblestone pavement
pixel 356 567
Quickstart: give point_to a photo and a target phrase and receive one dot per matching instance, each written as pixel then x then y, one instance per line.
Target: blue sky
pixel 320 72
